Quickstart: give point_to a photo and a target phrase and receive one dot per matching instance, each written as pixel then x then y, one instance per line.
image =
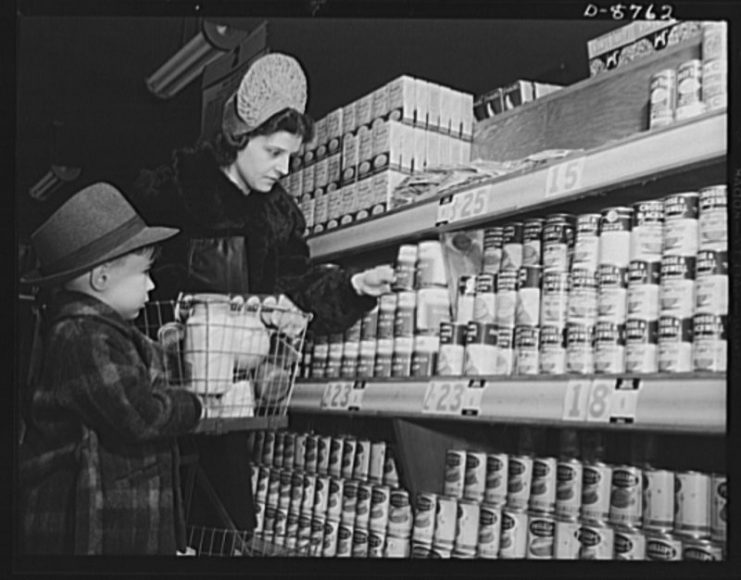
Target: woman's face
pixel 265 160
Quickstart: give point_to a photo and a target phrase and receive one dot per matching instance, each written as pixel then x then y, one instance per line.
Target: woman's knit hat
pixel 272 83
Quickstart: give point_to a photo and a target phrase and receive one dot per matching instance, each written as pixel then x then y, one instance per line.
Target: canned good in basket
pixel 596 541
pixel 513 540
pixel 541 529
pixel 630 543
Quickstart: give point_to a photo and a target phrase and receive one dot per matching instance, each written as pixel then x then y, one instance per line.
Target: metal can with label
pixel 710 343
pixel 433 308
pixel 701 550
pixel 662 98
pixel 552 350
pixel 586 242
pixel 369 324
pixel 658 500
pixel 465 299
pixel 527 350
pixel 566 539
pixel 405 268
pixel 333 369
pixel 643 290
pixel 386 315
pixel 714 40
pixel 397 547
pixel 334 466
pixel 334 501
pixel 406 304
pixel 513 539
pixel 421 550
pixel 349 364
pixel 692 498
pixel 401 359
pixel 319 356
pixel 609 348
pixel 304 533
pixel 475 475
pixel 384 357
pixel 641 346
pixel 379 508
pixel 292 528
pixel 489 531
pixel 554 300
pixel 519 480
pixel 431 264
pixel 455 473
pixel 569 473
pixel 493 244
pixel 299 455
pixel 532 235
pixel 289 449
pixel 718 507
pixel 261 495
pixel 596 487
pixel 284 493
pixel 330 540
pixel 527 311
pixel 689 90
pixel 273 488
pixel 626 496
pixel 268 518
pixel 321 495
pixel 543 485
pixel 400 517
pixel 425 508
pixel 681 226
pixel 541 529
pixel 713 218
pixel 506 298
pixel 663 547
pixel 440 552
pixel 307 500
pixel 445 522
pixel 711 282
pixel 597 541
pixel 359 543
pixel 268 448
pixel 363 505
pixel 258 441
pixel 558 242
pixel 424 355
pixel 344 541
pixel 647 231
pixel 467 526
pixel 452 348
pixel 614 236
pixel 312 448
pixel 580 349
pixel 377 461
pixel 512 246
pixel 361 466
pixel 497 468
pixel 480 355
pixel 715 83
pixel 349 449
pixel 583 297
pixel 485 298
pixel 390 472
pixel 612 300
pixel 505 351
pixel 349 502
pixel 366 358
pixel 630 543
pixel 324 445
pixel 675 344
pixel 677 289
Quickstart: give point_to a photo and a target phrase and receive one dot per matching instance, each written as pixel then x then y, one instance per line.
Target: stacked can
pixel 493 248
pixel 626 512
pixel 596 537
pixel 527 308
pixel 694 498
pixel 387 304
pixel 676 293
pixel 715 65
pixel 710 351
pixel 558 246
pixel 642 324
pixel 612 280
pixel 351 351
pixel 368 336
pixel 400 523
pixel 425 511
pixel 541 525
pixel 581 316
pixel 433 311
pixel 569 473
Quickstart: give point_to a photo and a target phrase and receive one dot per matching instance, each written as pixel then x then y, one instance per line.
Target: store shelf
pixel 222 425
pixel 671 403
pixel 676 148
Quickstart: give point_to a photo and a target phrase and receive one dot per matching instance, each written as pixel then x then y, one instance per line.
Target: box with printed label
pixel 432 154
pixel 445 155
pixel 521 92
pixel 364 111
pixel 624 35
pixel 419 162
pixel 321 174
pixel 402 99
pixel 309 155
pixel 321 138
pixel 380 105
pixel 307 179
pixel 334 210
pixel 449 110
pixel 306 203
pixel 421 103
pixel 393 146
pixel 365 151
pixel 383 187
pixel 434 111
pixel 334 170
pixel 350 153
pixel 321 210
pixel 349 119
pixel 349 200
pixel 334 131
pixel 363 198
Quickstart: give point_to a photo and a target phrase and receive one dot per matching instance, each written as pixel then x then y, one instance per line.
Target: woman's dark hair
pixel 225 148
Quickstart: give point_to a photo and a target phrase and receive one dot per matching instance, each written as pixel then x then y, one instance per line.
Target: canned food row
pixel 689 503
pixel 339 456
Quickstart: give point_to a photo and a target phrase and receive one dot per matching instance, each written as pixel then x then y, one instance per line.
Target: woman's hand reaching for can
pixel 374 282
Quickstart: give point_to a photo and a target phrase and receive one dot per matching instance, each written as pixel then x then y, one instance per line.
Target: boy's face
pixel 266 159
pixel 128 285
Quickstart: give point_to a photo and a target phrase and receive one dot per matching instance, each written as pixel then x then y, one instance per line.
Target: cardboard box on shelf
pixel 365 151
pixel 321 174
pixel 334 170
pixel 349 119
pixel 422 103
pixel 350 157
pixel 434 112
pixel 402 95
pixel 321 138
pixel 383 185
pixel 624 35
pixel 308 181
pixel 380 104
pixel 521 92
pixel 306 203
pixel 466 115
pixel 364 111
pixel 321 211
pixel 363 198
pixel 433 149
pixel 393 146
pixel 420 149
pixel 334 131
pixel 448 110
pixel 349 203
pixel 334 209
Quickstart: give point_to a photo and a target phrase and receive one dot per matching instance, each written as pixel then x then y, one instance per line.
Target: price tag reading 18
pixel 453 397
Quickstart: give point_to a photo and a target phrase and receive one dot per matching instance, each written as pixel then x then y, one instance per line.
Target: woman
pixel 242 233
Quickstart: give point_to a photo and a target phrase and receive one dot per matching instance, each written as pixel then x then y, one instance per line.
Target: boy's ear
pixel 99 277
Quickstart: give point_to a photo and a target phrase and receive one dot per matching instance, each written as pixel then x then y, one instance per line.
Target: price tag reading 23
pixel 453 397
pixel 463 206
pixel 343 396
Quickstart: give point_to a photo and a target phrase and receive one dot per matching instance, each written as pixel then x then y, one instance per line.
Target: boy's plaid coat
pixel 99 464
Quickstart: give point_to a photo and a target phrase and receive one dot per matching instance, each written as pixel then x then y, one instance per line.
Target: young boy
pixel 99 463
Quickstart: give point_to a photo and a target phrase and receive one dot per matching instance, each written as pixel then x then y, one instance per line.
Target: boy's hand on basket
pixel 374 282
pixel 289 318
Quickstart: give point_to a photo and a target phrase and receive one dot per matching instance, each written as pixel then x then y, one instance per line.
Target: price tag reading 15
pixel 453 397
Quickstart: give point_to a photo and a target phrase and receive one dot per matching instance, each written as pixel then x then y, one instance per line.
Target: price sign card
pixel 453 397
pixel 564 177
pixel 463 206
pixel 625 401
pixel 337 396
pixel 356 396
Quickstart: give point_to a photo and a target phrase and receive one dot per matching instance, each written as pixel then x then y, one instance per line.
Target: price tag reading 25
pixel 463 206
pixel 453 397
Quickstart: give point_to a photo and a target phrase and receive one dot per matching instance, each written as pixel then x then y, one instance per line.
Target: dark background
pixel 88 73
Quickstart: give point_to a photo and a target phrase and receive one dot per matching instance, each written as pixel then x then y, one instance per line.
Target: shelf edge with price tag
pixel 336 395
pixel 624 403
pixel 563 178
pixel 453 397
pixel 462 206
pixel 356 396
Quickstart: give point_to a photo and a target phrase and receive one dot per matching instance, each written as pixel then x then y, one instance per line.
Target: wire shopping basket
pixel 215 542
pixel 240 354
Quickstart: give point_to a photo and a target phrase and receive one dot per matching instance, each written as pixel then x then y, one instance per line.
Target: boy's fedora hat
pixel 95 225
